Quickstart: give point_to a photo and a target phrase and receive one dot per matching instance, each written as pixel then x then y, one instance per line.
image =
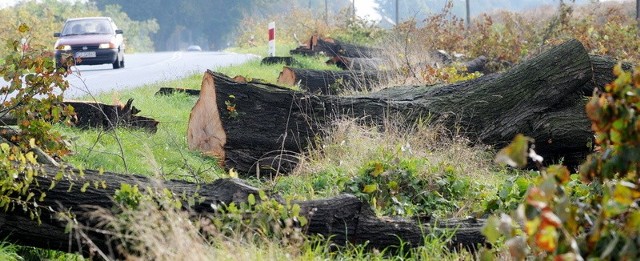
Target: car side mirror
pixel 119 31
pixel 56 34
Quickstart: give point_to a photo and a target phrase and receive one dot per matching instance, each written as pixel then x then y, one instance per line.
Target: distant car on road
pixel 90 41
pixel 194 48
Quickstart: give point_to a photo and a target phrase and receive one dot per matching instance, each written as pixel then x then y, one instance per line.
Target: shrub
pixel 597 217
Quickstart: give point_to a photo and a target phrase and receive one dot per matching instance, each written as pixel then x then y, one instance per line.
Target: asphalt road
pixel 145 68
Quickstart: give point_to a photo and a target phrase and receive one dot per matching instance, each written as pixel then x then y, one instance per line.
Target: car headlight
pixel 63 47
pixel 107 46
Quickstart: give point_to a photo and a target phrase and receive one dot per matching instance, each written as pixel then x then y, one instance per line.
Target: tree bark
pixel 331 47
pixel 100 115
pixel 477 65
pixel 288 60
pixel 171 90
pixel 343 218
pixel 541 98
pixel 331 82
pixel 357 63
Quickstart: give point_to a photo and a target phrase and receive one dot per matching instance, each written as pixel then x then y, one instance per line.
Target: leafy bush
pixel 31 98
pixel 598 217
pixel 32 95
pixel 396 188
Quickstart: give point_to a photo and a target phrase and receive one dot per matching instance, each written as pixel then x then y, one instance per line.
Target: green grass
pixel 164 153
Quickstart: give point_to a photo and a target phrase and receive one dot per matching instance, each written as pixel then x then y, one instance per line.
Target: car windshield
pixel 86 26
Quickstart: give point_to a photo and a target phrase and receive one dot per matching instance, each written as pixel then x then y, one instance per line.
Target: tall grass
pixel 163 154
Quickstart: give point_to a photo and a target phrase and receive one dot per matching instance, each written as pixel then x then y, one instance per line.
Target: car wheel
pixel 116 63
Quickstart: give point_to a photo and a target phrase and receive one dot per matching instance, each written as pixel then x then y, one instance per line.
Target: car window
pixel 78 27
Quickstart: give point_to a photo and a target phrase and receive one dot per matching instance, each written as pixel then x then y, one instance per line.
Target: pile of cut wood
pixel 362 68
pixel 269 126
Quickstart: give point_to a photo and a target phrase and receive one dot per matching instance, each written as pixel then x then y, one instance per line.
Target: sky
pixel 367 9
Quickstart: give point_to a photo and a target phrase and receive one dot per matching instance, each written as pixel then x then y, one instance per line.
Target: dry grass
pixel 349 146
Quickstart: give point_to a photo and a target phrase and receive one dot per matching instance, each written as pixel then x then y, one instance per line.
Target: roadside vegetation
pixel 428 171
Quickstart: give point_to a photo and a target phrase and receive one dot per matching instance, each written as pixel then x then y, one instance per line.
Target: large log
pixel 331 47
pixel 541 98
pixel 287 60
pixel 357 63
pixel 342 219
pixel 100 115
pixel 331 82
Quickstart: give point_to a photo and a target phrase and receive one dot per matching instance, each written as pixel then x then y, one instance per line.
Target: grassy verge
pixel 164 153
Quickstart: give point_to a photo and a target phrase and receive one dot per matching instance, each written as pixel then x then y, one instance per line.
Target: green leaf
pixel 31 194
pixel 303 220
pixel 515 154
pixel 23 28
pixel 85 186
pixel 5 148
pixel 616 136
pixel 370 188
pixel 490 229
pixel 262 195
pixel 393 185
pixel 251 199
pixel 378 168
pixel 295 210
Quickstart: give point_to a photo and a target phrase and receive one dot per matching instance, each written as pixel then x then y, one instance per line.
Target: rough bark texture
pixel 541 98
pixel 287 60
pixel 343 218
pixel 477 65
pixel 331 47
pixel 100 115
pixel 357 63
pixel 171 90
pixel 331 82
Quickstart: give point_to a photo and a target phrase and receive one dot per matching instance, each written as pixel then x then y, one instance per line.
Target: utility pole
pixel 397 13
pixel 469 15
pixel 326 12
pixel 638 13
pixel 353 8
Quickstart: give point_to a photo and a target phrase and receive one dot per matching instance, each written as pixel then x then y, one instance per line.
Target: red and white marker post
pixel 272 39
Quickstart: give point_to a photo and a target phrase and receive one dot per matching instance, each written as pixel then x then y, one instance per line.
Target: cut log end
pixel 287 77
pixel 240 79
pixel 205 132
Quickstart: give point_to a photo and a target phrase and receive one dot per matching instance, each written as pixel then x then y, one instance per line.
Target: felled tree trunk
pixel 331 47
pixel 357 63
pixel 171 90
pixel 330 82
pixel 343 218
pixel 542 98
pixel 287 60
pixel 476 65
pixel 100 115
